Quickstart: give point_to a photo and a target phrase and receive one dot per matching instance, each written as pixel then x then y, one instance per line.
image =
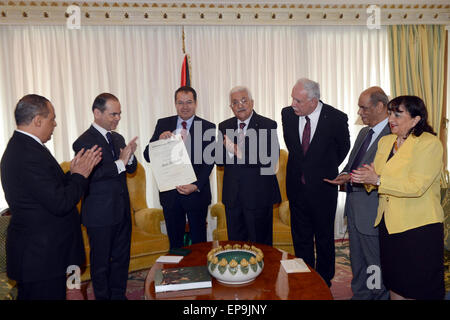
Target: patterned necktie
pixel 111 145
pixel 306 135
pixel 362 151
pixel 360 155
pixel 184 131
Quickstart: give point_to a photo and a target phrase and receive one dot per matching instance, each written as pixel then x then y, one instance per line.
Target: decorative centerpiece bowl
pixel 235 264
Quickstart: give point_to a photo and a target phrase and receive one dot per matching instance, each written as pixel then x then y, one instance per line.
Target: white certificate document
pixel 294 265
pixel 170 163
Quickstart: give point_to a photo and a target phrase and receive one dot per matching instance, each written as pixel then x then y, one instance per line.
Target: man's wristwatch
pixel 378 180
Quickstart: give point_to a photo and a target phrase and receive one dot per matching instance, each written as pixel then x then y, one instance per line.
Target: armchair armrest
pixel 149 220
pixel 218 210
pixel 285 213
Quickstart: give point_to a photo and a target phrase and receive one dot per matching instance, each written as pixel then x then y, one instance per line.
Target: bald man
pixel 361 207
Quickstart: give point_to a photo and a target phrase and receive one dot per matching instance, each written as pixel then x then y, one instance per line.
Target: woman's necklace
pixel 397 144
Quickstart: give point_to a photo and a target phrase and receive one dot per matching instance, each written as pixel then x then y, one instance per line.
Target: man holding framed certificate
pixel 166 155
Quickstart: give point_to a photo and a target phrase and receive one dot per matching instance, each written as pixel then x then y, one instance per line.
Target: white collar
pixel 314 116
pixel 246 121
pixel 188 121
pixel 31 135
pixel 380 126
pixel 100 129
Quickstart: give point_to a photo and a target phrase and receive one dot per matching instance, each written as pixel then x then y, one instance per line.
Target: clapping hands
pixel 365 174
pixel 85 161
pixel 127 152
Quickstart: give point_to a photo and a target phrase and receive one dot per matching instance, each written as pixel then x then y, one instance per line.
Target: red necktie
pixel 306 135
pixel 184 130
pixel 305 140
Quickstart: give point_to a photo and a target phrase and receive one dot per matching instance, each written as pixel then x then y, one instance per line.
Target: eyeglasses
pixel 236 103
pixel 182 103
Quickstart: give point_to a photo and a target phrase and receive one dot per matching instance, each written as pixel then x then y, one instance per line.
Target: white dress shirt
pixel 180 126
pixel 377 130
pixel 247 121
pixel 314 119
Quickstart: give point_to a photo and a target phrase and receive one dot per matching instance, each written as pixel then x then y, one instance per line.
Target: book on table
pixel 182 278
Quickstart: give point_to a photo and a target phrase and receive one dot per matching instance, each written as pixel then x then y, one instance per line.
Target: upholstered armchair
pixel 282 237
pixel 445 202
pixel 8 288
pixel 147 241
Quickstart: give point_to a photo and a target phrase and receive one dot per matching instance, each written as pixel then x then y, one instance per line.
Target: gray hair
pixel 29 107
pixel 379 96
pixel 311 87
pixel 239 89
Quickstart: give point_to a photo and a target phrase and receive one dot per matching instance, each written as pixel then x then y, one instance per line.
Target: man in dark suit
pixel 105 208
pixel 317 139
pixel 191 199
pixel 250 154
pixel 44 235
pixel 360 206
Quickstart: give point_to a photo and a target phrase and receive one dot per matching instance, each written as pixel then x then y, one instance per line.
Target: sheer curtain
pixel 141 65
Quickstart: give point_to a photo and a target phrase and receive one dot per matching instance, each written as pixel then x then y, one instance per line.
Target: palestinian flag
pixel 185 77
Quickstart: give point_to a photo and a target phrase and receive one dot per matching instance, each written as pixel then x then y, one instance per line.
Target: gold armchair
pixel 282 237
pixel 8 287
pixel 147 241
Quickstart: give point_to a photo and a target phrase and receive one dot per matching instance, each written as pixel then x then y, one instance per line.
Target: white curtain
pixel 141 65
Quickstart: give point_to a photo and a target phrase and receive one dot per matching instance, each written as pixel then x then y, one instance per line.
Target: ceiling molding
pixel 176 13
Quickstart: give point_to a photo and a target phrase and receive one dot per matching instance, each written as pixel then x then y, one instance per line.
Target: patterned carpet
pixel 340 284
pixel 447 273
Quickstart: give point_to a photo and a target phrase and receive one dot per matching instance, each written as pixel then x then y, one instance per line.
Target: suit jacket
pixel 409 191
pixel 44 234
pixel 202 198
pixel 364 204
pixel 243 183
pixel 107 198
pixel 328 148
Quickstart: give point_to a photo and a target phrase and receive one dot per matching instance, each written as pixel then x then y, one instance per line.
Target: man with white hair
pixel 250 187
pixel 317 139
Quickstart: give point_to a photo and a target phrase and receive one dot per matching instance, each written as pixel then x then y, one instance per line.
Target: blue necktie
pixel 111 145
